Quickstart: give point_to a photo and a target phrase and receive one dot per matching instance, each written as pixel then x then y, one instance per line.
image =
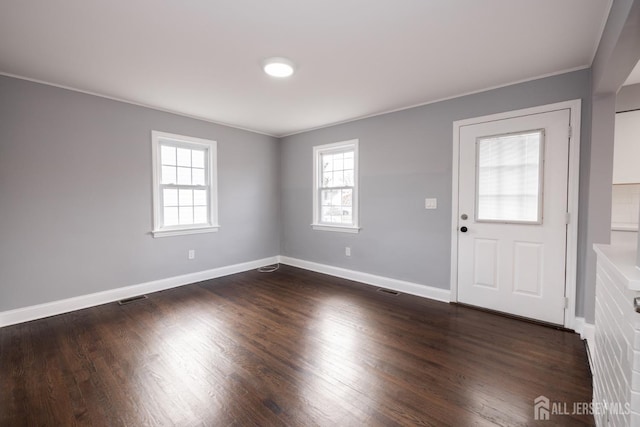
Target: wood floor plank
pixel 292 348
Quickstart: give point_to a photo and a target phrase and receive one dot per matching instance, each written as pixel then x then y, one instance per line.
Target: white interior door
pixel 512 232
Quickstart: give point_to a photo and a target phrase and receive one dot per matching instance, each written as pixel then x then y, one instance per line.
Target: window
pixel 510 178
pixel 335 182
pixel 184 185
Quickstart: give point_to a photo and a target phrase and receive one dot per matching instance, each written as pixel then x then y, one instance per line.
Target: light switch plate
pixel 431 203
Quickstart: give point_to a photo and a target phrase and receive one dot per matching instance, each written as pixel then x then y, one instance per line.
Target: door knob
pixel 463 229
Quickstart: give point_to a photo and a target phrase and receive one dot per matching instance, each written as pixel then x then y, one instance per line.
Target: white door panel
pixel 513 192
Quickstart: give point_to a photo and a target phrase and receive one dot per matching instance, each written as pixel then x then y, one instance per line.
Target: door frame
pixel 572 196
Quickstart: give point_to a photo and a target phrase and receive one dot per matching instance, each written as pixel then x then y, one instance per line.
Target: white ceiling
pixel 355 58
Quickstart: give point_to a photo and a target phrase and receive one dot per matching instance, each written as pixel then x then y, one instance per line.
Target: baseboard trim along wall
pixel 20 315
pixel 424 291
pixel 11 317
pixel 587 332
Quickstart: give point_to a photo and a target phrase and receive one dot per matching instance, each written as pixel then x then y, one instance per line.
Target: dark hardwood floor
pixel 286 348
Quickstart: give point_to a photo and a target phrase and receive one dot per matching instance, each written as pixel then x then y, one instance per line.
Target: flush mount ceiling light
pixel 278 67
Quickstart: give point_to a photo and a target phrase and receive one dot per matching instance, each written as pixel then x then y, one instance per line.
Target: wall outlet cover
pixel 430 203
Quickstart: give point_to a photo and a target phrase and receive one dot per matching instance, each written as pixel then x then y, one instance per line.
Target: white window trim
pixel 212 177
pixel 328 148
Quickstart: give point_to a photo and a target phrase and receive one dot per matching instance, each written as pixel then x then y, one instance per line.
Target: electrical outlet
pixel 347 251
pixel 192 254
pixel 431 203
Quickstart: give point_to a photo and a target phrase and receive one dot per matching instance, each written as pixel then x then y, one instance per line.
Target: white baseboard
pixel 587 332
pixel 39 311
pixel 11 317
pixel 424 291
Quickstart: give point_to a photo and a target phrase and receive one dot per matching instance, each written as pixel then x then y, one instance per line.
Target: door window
pixel 509 178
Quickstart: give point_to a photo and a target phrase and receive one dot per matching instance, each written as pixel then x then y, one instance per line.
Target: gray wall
pixel 405 157
pixel 71 227
pixel 628 98
pixel 595 191
pixel 75 186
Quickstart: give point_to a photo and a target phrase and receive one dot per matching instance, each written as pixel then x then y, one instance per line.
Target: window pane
pixel 347 198
pixel 337 169
pixel 184 176
pixel 338 162
pixel 347 215
pixel 336 206
pixel 197 158
pixel 170 197
pixel 198 176
pixel 200 215
pixel 338 179
pixel 184 157
pixel 168 155
pixel 186 197
pixel 509 177
pixel 200 197
pixel 325 214
pixel 168 174
pixel 348 178
pixel 336 198
pixel 325 198
pixel 170 216
pixel 186 215
pixel 327 180
pixel 327 162
pixel 348 162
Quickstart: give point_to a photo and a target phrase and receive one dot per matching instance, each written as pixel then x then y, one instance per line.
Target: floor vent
pixel 132 299
pixel 388 291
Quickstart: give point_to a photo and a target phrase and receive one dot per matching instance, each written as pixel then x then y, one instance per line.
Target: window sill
pixel 338 228
pixel 185 231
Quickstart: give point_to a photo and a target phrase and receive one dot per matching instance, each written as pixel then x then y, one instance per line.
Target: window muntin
pixel 335 187
pixel 184 184
pixel 509 178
